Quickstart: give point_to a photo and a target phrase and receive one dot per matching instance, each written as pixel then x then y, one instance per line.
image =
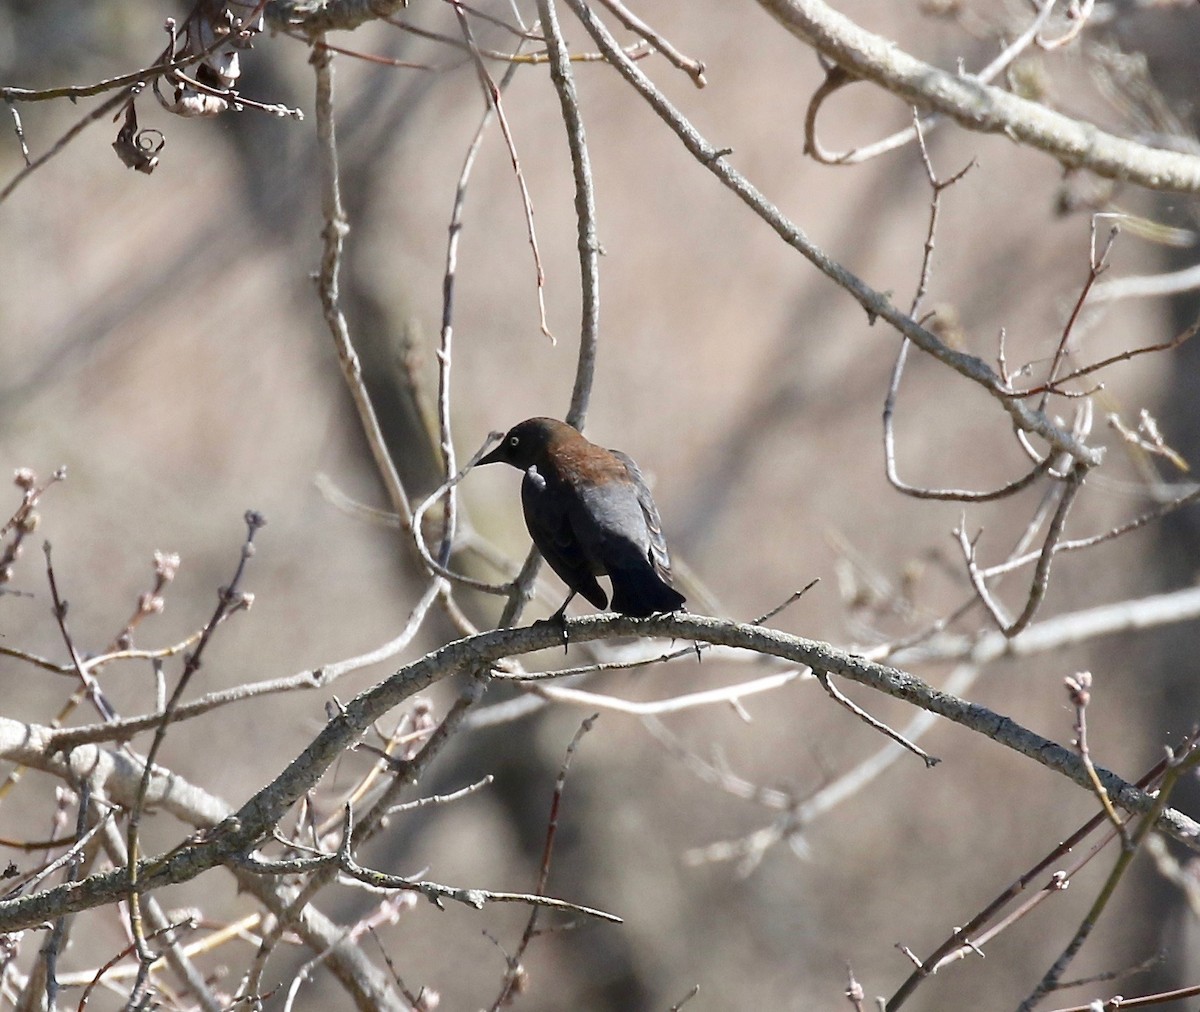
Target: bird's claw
pixel 558 619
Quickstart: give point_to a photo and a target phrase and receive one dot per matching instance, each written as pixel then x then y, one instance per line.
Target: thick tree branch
pixel 239 833
pixel 977 106
pixel 316 17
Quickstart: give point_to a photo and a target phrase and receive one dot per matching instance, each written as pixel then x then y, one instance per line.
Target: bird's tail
pixel 641 592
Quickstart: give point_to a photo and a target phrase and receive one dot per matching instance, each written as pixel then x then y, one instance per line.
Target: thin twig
pixel 787 602
pixel 1104 363
pixel 693 68
pixel 104 969
pixel 130 85
pixel 692 992
pixel 1177 767
pixel 1041 575
pixel 1080 543
pixel 936 186
pixel 165 65
pixel 940 494
pixel 31 167
pixel 19 130
pixel 492 94
pixel 173 953
pixel 333 236
pixel 1041 572
pixel 729 695
pixel 311 678
pixel 1097 265
pixel 434 565
pixel 1079 15
pixel 638 51
pixel 87 682
pixel 839 697
pixel 1140 1001
pixel 974 574
pixel 57 936
pixel 445 346
pixel 344 862
pixel 442 799
pixel 514 961
pixel 959 943
pixel 226 599
pixel 1079 691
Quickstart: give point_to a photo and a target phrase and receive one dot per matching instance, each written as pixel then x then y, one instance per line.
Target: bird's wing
pixel 660 559
pixel 550 527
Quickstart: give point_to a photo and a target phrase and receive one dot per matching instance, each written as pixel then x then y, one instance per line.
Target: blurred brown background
pixel 161 337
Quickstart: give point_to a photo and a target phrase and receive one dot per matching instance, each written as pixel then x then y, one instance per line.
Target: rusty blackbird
pixel 589 512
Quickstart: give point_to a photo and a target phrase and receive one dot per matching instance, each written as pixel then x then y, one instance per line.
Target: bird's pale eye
pixel 514 440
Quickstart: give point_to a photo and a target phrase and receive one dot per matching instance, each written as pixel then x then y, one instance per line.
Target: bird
pixel 589 512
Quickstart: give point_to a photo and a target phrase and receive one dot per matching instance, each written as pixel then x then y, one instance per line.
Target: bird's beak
pixel 495 457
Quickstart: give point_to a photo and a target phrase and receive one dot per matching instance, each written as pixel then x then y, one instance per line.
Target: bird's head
pixel 526 443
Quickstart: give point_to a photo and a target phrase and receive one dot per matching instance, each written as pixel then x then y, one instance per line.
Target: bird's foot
pixel 558 619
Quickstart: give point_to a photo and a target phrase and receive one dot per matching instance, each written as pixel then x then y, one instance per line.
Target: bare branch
pixel 514 961
pixel 255 819
pixel 493 96
pixel 876 304
pixel 693 68
pixel 837 77
pixel 333 236
pixel 588 243
pixel 977 106
pixel 445 349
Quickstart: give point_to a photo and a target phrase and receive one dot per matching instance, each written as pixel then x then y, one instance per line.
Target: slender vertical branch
pixel 58 933
pixel 585 212
pixel 514 962
pixel 333 236
pixel 227 599
pixel 492 93
pixel 445 349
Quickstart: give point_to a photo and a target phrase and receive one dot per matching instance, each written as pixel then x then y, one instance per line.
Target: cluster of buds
pixel 151 602
pixel 25 520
